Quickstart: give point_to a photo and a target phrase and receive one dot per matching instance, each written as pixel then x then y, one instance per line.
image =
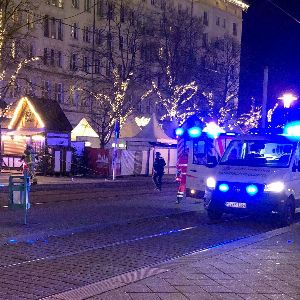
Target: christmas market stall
pixel 42 124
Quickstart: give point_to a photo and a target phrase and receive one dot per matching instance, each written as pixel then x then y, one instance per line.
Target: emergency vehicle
pixel 197 152
pixel 256 174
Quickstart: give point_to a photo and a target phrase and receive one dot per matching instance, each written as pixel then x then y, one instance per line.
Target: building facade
pixel 73 40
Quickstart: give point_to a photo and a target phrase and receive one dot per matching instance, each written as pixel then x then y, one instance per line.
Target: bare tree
pixel 17 20
pixel 177 45
pixel 219 77
pixel 115 88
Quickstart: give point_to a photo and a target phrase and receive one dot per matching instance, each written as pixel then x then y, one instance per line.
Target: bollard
pixel 18 193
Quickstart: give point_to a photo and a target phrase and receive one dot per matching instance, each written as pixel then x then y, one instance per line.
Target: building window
pixel 74 31
pixel 60 29
pixel 75 3
pixel 46 89
pixel 59 59
pixel 56 28
pixel 52 59
pixel 45 57
pixel 86 34
pixel 73 62
pixel 224 23
pixel 59 92
pixel 87 5
pixel 205 18
pixel 98 37
pixel 234 29
pixel 30 20
pixel 100 8
pixel 46 26
pixel 218 21
pixel 97 66
pixel 110 11
pixel 163 4
pixel 57 3
pixel 86 64
pixel 31 51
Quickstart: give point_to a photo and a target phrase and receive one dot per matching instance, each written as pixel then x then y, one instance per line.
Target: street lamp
pixel 288 99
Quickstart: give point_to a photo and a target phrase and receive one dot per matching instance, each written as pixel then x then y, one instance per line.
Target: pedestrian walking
pixel 158 170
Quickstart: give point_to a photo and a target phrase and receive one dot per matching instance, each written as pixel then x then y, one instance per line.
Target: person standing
pixel 29 163
pixel 158 170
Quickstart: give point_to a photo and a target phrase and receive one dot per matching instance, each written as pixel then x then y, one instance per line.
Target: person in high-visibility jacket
pixel 181 175
pixel 29 158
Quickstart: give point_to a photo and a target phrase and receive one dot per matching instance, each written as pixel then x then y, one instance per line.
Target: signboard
pixel 58 139
pixel 98 161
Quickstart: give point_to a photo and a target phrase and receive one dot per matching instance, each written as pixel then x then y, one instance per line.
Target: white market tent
pixel 84 132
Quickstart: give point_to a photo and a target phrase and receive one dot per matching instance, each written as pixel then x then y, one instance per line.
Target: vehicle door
pixel 295 175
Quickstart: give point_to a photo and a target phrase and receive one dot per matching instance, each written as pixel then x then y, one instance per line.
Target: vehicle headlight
pixel 275 187
pixel 211 182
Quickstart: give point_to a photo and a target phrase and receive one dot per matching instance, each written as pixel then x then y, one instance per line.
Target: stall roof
pixel 83 129
pixel 50 113
pixel 153 133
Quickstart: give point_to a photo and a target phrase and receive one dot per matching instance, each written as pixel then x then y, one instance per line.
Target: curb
pixel 113 283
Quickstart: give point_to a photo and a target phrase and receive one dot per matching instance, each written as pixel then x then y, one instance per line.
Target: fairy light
pixel 271 112
pixel 179 95
pixel 18 110
pixel 239 3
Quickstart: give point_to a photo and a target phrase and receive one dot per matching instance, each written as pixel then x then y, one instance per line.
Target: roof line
pixel 244 6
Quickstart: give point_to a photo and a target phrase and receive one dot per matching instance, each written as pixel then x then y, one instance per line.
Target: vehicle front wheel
pixel 214 215
pixel 287 215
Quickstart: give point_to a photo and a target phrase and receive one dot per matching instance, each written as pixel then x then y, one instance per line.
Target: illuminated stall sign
pixel 58 139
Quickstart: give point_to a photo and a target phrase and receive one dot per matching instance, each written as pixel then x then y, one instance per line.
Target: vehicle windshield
pixel 258 153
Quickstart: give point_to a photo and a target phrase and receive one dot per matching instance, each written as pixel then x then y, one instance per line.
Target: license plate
pixel 236 204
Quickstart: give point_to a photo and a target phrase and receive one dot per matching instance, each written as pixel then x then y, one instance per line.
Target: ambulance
pixel 256 174
pixel 198 152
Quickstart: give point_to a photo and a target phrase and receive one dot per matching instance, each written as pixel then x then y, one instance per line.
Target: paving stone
pixel 189 288
pixel 199 296
pixel 281 297
pixel 253 296
pixel 112 295
pixel 144 296
pixel 226 296
pixel 172 296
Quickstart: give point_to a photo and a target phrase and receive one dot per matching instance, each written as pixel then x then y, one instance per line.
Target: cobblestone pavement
pixel 71 244
pixel 263 267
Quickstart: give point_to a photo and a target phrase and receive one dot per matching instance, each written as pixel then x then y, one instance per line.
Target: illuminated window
pixel 74 31
pixel 75 3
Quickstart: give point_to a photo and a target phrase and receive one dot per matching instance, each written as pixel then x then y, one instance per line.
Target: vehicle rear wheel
pixel 214 215
pixel 287 215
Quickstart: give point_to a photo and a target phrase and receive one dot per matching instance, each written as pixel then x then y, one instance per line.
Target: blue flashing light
pixel 252 189
pixel 224 187
pixel 179 131
pixel 292 130
pixel 213 130
pixel 230 133
pixel 194 132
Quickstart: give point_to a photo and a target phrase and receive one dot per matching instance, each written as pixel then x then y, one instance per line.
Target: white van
pixel 256 174
pixel 203 155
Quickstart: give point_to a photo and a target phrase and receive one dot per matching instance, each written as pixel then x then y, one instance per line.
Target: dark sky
pixel 270 38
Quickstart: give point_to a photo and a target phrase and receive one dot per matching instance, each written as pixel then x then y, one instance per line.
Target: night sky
pixel 270 38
